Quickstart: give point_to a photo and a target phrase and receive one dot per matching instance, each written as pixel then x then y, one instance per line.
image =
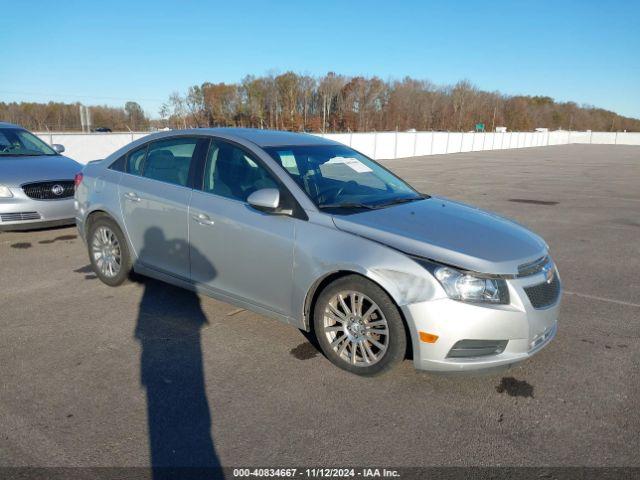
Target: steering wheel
pixel 339 191
pixel 324 194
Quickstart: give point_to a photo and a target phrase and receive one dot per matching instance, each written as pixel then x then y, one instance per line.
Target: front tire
pixel 108 251
pixel 359 327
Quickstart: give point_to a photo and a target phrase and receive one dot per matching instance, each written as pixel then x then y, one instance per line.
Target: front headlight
pixel 5 192
pixel 468 287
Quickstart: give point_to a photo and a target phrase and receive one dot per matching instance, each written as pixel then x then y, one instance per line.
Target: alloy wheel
pixel 356 328
pixel 106 251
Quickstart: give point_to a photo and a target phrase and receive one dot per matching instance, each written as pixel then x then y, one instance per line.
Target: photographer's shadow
pixel 171 369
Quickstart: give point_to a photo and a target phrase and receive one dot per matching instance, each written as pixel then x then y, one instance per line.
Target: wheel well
pixel 316 290
pixel 93 216
pixel 321 284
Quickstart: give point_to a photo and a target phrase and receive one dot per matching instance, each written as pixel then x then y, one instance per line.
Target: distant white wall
pixel 85 147
pixel 390 145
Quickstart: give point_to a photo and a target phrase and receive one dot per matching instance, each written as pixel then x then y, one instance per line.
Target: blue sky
pixel 110 52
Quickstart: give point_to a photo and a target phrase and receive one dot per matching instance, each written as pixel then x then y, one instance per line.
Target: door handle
pixel 202 219
pixel 132 196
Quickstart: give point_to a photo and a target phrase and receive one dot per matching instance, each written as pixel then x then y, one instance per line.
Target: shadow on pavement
pixel 171 371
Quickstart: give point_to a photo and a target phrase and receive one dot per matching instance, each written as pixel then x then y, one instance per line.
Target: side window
pixel 288 161
pixel 230 172
pixel 27 142
pixel 4 141
pixel 169 160
pixel 119 164
pixel 135 161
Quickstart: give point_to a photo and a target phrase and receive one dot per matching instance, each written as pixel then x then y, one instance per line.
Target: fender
pixel 323 253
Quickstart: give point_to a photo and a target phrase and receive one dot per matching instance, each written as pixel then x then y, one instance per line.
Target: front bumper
pixel 21 212
pixel 526 328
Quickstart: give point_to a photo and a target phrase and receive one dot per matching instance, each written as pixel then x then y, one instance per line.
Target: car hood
pixel 15 171
pixel 449 232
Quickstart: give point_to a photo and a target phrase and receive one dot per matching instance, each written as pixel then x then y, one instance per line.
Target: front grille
pixel 545 294
pixel 49 190
pixel 19 216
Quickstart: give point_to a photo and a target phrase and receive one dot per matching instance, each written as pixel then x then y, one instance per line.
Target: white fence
pixel 84 147
pixel 390 145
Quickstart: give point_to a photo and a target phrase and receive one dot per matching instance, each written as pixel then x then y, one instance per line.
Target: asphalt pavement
pixel 148 373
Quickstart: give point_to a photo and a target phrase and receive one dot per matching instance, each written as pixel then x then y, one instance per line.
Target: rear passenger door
pixel 154 197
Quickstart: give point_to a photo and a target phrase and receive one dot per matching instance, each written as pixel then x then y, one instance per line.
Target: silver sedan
pixel 315 234
pixel 36 182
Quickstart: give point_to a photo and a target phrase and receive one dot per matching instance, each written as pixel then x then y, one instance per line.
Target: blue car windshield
pixel 16 142
pixel 335 177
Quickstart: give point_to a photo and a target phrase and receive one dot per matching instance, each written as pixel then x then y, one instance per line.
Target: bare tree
pixel 307 86
pixel 329 88
pixel 179 114
pixel 195 104
pixel 135 115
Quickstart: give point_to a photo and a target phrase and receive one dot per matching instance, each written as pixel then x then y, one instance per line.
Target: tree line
pixel 332 103
pixel 338 103
pixel 58 117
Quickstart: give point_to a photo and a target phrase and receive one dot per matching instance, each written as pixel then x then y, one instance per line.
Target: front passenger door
pixel 248 253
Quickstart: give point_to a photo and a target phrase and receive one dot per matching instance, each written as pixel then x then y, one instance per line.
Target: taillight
pixel 77 180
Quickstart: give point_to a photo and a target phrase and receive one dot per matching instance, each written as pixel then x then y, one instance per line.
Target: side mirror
pixel 58 148
pixel 267 200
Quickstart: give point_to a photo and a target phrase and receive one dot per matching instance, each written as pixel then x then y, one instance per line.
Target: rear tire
pixel 359 327
pixel 108 251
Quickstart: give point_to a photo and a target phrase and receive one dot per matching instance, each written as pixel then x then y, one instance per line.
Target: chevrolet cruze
pixel 317 235
pixel 36 182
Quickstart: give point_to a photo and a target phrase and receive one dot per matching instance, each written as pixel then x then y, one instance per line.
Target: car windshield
pixel 340 179
pixel 17 142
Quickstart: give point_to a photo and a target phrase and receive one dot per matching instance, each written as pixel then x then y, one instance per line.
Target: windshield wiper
pixel 372 206
pixel 397 201
pixel 347 205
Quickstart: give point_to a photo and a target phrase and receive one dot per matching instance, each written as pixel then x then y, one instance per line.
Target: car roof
pixel 269 138
pixel 247 136
pixel 10 125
